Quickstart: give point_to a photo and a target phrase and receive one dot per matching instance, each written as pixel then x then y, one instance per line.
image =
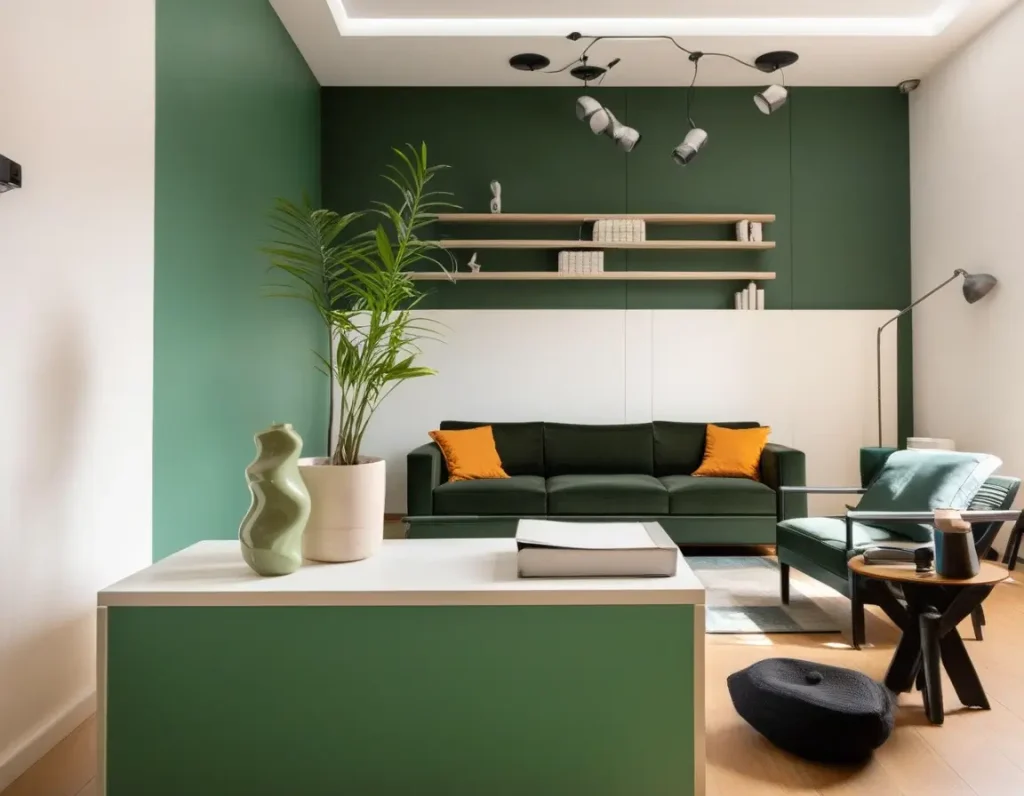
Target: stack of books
pixel 576 263
pixel 620 230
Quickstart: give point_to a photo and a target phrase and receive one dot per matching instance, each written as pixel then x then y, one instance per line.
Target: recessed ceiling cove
pixel 470 42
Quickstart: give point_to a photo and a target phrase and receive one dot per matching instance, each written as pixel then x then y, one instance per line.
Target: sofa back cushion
pixel 571 449
pixel 679 447
pixel 520 445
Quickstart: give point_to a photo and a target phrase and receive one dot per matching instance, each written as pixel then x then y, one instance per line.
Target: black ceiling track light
pixel 529 62
pixel 602 120
pixel 776 60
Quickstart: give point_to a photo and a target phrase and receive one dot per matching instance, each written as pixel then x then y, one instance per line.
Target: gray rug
pixel 743 597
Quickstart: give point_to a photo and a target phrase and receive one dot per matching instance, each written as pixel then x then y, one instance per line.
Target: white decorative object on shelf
pixel 495 196
pixel 750 298
pixel 743 231
pixel 756 232
pixel 474 266
pixel 620 230
pixel 578 263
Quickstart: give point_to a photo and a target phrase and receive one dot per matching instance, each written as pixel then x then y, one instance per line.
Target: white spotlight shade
pixel 690 146
pixel 771 99
pixel 602 120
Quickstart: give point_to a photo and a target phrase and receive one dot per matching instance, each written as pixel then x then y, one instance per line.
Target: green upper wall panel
pixel 832 165
pixel 237 125
pixel 851 191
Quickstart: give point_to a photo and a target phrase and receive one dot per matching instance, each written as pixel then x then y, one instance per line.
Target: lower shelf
pixel 649 276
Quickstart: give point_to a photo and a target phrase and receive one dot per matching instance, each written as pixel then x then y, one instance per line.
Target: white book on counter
pixel 549 549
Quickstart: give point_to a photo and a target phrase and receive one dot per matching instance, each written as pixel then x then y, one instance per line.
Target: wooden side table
pixel 928 615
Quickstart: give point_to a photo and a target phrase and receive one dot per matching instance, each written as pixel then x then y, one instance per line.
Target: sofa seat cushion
pixel 624 494
pixel 823 540
pixel 518 494
pixel 689 494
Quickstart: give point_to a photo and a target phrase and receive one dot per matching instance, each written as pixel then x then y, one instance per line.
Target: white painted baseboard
pixel 45 737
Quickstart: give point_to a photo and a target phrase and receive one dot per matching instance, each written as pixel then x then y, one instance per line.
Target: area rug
pixel 743 597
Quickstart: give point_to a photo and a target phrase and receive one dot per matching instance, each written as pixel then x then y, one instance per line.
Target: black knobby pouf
pixel 822 713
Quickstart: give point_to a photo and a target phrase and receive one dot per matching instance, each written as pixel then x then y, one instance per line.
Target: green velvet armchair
pixel 821 546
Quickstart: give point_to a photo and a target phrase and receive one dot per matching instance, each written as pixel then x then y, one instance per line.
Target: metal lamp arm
pixel 878 340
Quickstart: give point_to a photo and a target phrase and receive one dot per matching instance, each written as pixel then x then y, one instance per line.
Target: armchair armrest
pixel 917 517
pixel 425 470
pixel 783 467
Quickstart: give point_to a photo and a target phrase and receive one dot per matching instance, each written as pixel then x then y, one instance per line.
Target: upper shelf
pixel 593 244
pixel 583 218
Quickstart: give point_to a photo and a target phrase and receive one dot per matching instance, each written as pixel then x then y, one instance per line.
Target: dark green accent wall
pixel 833 165
pixel 238 119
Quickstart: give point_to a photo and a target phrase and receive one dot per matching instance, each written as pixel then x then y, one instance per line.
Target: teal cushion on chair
pixel 823 540
pixel 922 480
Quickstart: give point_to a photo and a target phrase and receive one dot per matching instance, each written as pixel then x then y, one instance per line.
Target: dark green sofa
pixel 615 472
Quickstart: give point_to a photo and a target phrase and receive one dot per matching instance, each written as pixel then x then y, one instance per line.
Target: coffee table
pixel 928 615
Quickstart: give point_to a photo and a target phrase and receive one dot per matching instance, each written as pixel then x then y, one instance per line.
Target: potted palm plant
pixel 359 285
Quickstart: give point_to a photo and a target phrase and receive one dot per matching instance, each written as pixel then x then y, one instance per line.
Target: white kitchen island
pixel 429 668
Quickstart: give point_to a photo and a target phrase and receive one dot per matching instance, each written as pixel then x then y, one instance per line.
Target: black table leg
pixel 929 623
pixel 906 663
pixel 961 672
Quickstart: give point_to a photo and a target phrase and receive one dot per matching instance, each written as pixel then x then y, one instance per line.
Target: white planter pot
pixel 347 518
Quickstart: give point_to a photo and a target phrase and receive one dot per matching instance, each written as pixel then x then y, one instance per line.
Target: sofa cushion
pixel 916 480
pixel 520 494
pixel 823 540
pixel 688 494
pixel 520 445
pixel 624 494
pixel 571 449
pixel 679 447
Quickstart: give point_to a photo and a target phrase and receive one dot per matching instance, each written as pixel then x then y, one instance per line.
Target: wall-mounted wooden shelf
pixel 730 245
pixel 583 218
pixel 640 276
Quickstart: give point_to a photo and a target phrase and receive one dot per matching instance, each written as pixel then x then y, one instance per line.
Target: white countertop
pixel 404 572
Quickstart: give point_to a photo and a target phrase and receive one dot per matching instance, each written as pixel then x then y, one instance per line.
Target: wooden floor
pixel 975 752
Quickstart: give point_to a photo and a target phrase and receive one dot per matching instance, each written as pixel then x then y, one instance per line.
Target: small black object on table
pixel 928 615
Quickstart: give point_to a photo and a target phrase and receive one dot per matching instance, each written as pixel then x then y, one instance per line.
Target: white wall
pixel 76 318
pixel 967 211
pixel 808 374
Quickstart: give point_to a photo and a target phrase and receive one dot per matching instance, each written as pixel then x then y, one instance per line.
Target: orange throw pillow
pixel 733 452
pixel 469 454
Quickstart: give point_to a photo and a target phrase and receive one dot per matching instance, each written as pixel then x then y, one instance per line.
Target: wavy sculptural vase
pixel 271 532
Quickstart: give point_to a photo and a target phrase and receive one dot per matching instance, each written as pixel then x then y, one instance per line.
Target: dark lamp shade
pixel 977 286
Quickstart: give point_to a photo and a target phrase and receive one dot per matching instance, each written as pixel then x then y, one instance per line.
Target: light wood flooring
pixel 975 752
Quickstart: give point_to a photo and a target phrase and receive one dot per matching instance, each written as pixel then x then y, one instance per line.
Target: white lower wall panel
pixel 810 375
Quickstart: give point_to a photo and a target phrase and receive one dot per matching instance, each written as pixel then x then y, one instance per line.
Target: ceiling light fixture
pixel 601 120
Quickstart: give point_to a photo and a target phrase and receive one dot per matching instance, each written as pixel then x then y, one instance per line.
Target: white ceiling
pixel 469 42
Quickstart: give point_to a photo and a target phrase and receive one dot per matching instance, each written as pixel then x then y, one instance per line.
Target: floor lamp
pixel 976 287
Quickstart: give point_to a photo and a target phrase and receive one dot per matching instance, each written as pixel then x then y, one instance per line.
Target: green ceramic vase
pixel 271 532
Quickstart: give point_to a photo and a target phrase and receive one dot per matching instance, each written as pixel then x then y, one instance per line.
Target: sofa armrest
pixel 782 466
pixel 425 470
